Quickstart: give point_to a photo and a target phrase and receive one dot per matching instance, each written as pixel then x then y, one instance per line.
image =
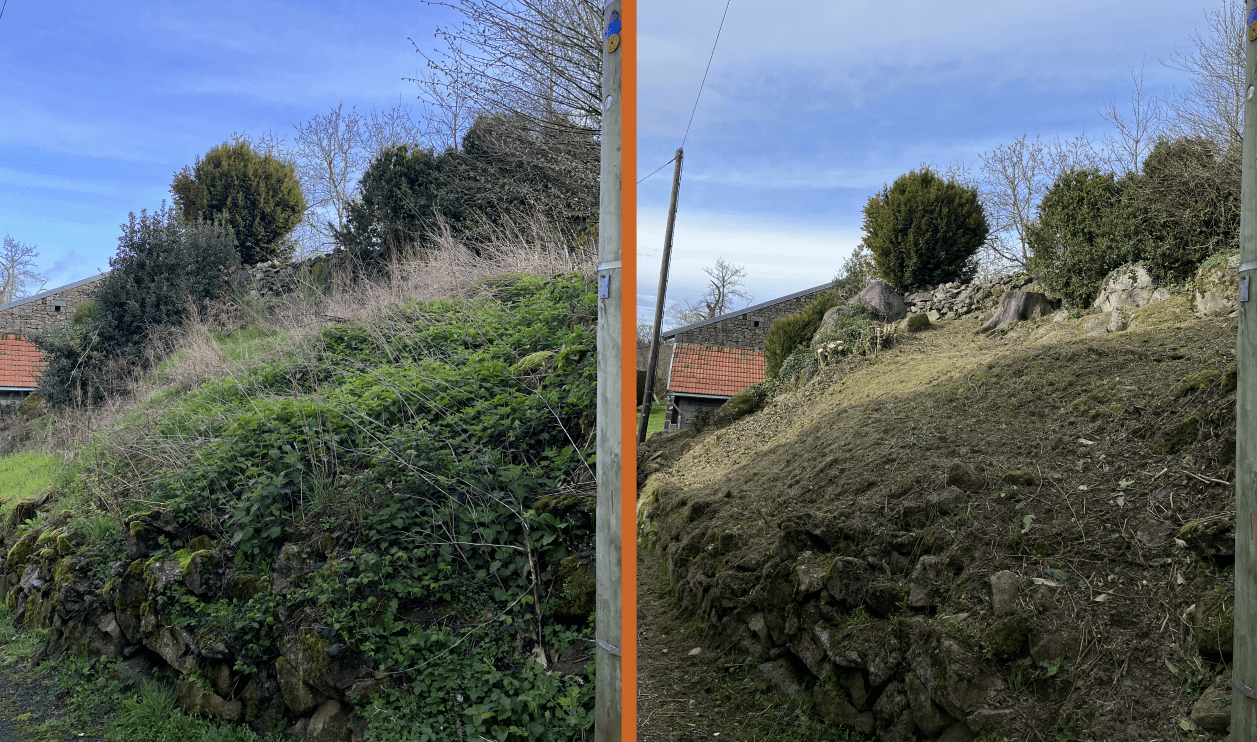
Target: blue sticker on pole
pixel 1252 17
pixel 613 27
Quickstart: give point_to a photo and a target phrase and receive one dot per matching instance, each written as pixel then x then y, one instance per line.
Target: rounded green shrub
pixel 923 230
pixel 1087 226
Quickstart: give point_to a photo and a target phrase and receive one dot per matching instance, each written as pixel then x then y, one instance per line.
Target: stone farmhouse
pixel 716 358
pixel 20 360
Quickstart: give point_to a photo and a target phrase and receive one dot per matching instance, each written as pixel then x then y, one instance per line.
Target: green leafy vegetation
pixel 924 230
pixel 256 195
pixel 425 494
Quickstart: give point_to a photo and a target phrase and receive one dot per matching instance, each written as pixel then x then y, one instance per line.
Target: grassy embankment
pixel 1084 458
pixel 423 468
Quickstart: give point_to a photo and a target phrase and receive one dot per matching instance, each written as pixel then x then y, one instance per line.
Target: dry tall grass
pixel 186 357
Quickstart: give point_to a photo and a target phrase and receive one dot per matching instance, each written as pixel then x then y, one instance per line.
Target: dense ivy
pixel 437 479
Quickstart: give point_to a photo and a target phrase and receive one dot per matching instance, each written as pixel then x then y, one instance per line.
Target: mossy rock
pixel 1230 379
pixel 917 323
pixel 24 510
pixel 200 543
pixel 47 538
pixel 1009 639
pixel 67 543
pixel 63 570
pixel 1176 437
pixel 1214 639
pixel 533 363
pixel 576 586
pixel 20 554
pixel 243 587
pixel 1197 382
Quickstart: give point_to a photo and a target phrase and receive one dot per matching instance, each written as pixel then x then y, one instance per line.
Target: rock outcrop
pixel 1217 287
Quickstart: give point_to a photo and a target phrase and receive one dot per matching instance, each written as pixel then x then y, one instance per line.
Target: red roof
pixel 20 362
pixel 711 369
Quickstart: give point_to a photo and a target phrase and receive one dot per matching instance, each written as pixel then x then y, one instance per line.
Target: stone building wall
pixel 746 329
pixel 45 310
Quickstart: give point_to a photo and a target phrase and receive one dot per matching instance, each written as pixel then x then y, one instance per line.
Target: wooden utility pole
pixel 1244 669
pixel 663 290
pixel 607 633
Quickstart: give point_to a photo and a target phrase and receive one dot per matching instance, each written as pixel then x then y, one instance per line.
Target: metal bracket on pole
pixel 1249 692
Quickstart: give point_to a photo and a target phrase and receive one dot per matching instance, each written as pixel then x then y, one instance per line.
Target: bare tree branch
pixel 1213 104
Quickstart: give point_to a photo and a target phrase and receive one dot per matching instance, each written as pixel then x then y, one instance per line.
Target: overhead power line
pixel 701 85
pixel 704 82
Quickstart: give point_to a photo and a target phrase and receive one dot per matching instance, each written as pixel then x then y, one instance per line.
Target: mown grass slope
pixel 868 510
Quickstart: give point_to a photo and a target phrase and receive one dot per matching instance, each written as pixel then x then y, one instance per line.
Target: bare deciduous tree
pixel 1137 130
pixel 1011 181
pixel 329 153
pixel 725 286
pixel 1213 104
pixel 539 58
pixel 17 270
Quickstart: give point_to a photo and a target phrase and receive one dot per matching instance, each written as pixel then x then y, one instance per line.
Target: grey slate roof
pixel 52 292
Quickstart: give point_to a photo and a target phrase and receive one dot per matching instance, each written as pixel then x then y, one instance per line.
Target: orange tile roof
pixel 20 362
pixel 711 369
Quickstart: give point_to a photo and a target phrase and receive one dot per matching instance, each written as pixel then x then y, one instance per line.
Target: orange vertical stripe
pixel 628 386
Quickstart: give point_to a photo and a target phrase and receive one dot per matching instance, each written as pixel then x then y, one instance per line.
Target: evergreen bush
pixel 258 196
pixel 923 230
pixel 1088 224
pixel 793 331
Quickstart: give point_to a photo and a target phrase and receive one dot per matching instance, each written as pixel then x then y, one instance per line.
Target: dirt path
pixel 683 697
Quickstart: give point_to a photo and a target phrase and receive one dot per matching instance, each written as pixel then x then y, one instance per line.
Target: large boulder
pixel 1217 287
pixel 1015 306
pixel 878 296
pixel 1126 288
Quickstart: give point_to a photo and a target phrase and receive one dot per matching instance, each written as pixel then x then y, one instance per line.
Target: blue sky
pixel 101 103
pixel 810 107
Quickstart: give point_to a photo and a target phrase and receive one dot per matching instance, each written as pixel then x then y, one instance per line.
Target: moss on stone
pixel 533 363
pixel 1229 379
pixel 576 589
pixel 1197 382
pixel 1009 639
pixel 200 543
pixel 917 323
pixel 20 554
pixel 1176 437
pixel 244 587
pixel 63 570
pixel 67 543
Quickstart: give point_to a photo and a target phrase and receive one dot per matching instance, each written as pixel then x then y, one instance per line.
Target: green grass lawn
pixel 24 474
pixel 656 418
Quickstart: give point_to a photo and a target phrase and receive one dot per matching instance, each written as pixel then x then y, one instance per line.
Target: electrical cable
pixel 701 85
pixel 704 82
pixel 661 167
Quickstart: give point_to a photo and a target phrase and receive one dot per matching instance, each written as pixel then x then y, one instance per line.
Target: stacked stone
pixel 955 300
pixel 273 279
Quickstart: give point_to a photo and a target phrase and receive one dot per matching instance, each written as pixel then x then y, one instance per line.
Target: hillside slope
pixel 1026 536
pixel 382 530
